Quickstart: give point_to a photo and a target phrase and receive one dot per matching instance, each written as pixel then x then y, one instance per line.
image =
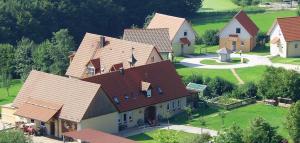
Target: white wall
pixel 231 29
pixel 185 27
pixel 274 49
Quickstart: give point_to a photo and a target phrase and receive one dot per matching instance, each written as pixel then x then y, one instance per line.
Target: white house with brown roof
pixel 159 37
pixel 108 102
pixel 99 54
pixel 182 35
pixel 285 37
pixel 239 34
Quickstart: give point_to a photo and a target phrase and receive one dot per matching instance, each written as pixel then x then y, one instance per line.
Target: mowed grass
pixel 13 91
pixel 263 20
pixel 211 73
pixel 217 5
pixel 295 61
pixel 241 116
pixel 251 74
pixel 151 137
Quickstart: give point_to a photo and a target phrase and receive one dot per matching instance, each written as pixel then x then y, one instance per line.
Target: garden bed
pixel 229 103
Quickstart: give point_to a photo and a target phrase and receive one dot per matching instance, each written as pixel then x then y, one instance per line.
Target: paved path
pixel 254 60
pixel 237 76
pixel 184 128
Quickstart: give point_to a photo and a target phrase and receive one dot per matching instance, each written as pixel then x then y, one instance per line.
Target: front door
pixel 150 115
pixel 52 128
pixel 233 45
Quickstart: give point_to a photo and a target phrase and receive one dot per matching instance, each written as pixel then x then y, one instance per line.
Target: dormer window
pixel 91 70
pixel 149 93
pixel 116 100
pixel 238 30
pixel 185 33
pixel 159 90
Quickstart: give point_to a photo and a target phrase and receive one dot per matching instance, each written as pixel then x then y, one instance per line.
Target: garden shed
pixel 224 55
pixel 196 90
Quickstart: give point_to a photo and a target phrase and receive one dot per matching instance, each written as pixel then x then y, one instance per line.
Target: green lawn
pixel 253 74
pixel 203 49
pixel 217 5
pixel 295 61
pixel 212 73
pixel 263 20
pixel 241 116
pixel 16 86
pixel 151 137
pixel 214 62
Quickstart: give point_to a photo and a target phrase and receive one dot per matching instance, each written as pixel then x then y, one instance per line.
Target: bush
pixel 246 2
pixel 247 90
pixel 198 40
pixel 231 135
pixel 194 78
pixel 293 120
pixel 203 138
pixel 13 136
pixel 217 87
pixel 210 37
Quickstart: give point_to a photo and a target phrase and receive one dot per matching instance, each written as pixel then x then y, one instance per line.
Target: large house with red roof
pixel 239 34
pixel 285 37
pixel 109 102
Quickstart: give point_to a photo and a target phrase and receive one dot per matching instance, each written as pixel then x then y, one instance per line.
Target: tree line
pixel 36 19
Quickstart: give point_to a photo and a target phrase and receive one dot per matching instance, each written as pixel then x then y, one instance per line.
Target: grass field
pixel 217 5
pixel 14 89
pixel 295 61
pixel 251 74
pixel 263 20
pixel 151 137
pixel 214 62
pixel 241 116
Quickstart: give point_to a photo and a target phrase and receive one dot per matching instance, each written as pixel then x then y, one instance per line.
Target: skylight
pixel 116 99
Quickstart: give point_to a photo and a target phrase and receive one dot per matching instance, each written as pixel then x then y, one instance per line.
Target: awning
pixel 93 136
pixel 275 40
pixel 185 41
pixel 38 110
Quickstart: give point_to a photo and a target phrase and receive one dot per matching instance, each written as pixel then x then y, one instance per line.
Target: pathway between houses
pixel 184 128
pixel 237 76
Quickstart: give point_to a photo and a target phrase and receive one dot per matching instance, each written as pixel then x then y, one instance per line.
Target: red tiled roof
pixel 290 28
pixel 116 67
pixel 126 86
pixel 93 136
pixel 96 63
pixel 247 23
pixel 185 41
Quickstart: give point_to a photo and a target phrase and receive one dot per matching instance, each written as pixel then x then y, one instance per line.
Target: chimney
pixel 102 41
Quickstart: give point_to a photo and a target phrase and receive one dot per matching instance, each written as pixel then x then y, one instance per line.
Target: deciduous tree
pixel 293 122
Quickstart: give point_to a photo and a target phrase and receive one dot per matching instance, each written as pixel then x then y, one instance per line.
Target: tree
pixel 23 57
pixel 217 87
pixel 62 43
pixel 210 37
pixel 14 136
pixel 293 122
pixel 279 82
pixel 6 64
pixel 188 110
pixel 247 90
pixel 148 20
pixel 41 56
pixel 233 134
pixel 5 81
pixel 261 131
pixel 194 78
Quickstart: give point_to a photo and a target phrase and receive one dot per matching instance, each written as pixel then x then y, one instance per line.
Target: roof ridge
pixel 288 17
pixel 170 16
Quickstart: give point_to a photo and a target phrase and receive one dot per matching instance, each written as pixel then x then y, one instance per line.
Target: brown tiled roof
pixel 158 37
pixel 93 136
pixel 290 28
pixel 38 110
pixel 165 21
pixel 126 86
pixel 247 23
pixel 114 52
pixel 75 95
pixel 96 63
pixel 185 41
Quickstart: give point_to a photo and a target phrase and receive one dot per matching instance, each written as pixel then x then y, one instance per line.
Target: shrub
pixel 246 2
pixel 13 136
pixel 293 122
pixel 232 134
pixel 198 40
pixel 217 87
pixel 211 37
pixel 261 131
pixel 203 138
pixel 195 78
pixel 247 90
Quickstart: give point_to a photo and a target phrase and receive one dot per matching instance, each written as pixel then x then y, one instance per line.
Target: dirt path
pixel 237 76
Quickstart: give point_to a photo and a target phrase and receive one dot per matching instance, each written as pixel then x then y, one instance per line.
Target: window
pixel 116 100
pixel 91 70
pixel 125 118
pixel 126 97
pixel 119 120
pixel 152 59
pixel 31 121
pixel 168 106
pixel 242 43
pixel 179 104
pixel 159 90
pixel 130 116
pixel 296 45
pixel 185 33
pixel 149 93
pixel 173 104
pixel 238 30
pixel 43 123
